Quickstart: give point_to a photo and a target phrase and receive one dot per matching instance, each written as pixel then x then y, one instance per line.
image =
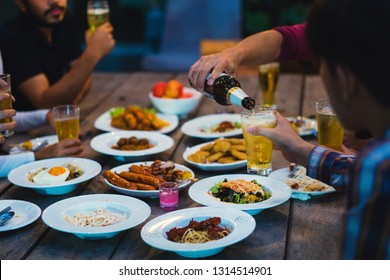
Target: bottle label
pixel 235 96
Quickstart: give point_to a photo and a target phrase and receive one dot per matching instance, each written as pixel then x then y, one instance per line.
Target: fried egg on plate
pixel 56 174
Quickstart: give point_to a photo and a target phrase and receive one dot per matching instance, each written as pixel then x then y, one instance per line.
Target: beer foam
pixel 98 11
pixel 328 110
pixel 267 120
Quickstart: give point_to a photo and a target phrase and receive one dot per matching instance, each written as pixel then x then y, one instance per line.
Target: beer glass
pixel 258 148
pixel 330 131
pixel 98 12
pixel 5 86
pixel 268 78
pixel 66 119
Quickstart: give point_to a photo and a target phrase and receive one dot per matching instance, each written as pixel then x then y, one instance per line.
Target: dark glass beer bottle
pixel 226 90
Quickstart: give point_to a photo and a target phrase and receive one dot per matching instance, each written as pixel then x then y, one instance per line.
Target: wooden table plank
pixel 314 90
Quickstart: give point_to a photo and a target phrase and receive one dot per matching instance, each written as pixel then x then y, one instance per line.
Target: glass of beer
pixel 5 86
pixel 268 78
pixel 66 119
pixel 330 131
pixel 258 148
pixel 98 12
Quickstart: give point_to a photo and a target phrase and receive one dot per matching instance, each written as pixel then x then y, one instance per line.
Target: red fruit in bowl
pixel 186 95
pixel 174 89
pixel 159 89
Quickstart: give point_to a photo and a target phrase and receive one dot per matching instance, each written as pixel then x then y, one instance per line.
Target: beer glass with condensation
pixel 66 119
pixel 98 12
pixel 330 131
pixel 268 78
pixel 258 148
pixel 5 86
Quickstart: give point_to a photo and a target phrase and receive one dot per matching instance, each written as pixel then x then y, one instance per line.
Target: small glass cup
pixel 5 86
pixel 169 195
pixel 330 131
pixel 98 13
pixel 258 148
pixel 268 78
pixel 67 121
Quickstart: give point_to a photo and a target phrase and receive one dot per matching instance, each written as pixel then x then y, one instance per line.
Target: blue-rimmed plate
pixel 239 223
pixel 134 209
pixel 201 192
pixel 25 213
pixel 103 144
pixel 140 193
pixel 20 175
pixel 103 122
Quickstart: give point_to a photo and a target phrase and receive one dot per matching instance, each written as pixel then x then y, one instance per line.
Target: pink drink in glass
pixel 169 196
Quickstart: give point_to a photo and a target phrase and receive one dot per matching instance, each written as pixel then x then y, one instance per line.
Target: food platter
pixel 51 139
pixel 284 173
pixel 103 122
pixel 103 144
pixel 201 127
pixel 241 225
pixel 200 192
pixel 134 209
pixel 19 175
pixel 141 193
pixel 215 166
pixel 307 126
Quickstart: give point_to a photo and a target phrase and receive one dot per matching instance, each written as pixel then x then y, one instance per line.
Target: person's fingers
pixel 7 126
pixel 7 113
pixel 2 140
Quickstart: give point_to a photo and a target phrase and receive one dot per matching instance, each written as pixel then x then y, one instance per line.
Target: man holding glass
pixel 42 51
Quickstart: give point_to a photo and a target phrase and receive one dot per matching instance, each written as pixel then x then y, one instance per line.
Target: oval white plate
pixel 136 210
pixel 195 126
pixel 309 127
pixel 18 176
pixel 280 192
pixel 284 173
pixel 140 193
pixel 103 143
pixel 25 213
pixel 240 224
pixel 51 139
pixel 215 166
pixel 103 122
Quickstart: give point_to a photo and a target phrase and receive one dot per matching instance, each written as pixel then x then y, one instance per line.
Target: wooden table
pixel 294 230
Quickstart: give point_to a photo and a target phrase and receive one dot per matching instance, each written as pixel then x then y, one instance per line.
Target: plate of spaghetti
pixel 198 232
pixel 96 216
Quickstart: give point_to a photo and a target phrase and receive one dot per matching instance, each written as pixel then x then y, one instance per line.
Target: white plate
pixel 25 213
pixel 280 192
pixel 240 224
pixel 215 166
pixel 140 193
pixel 103 143
pixel 284 173
pixel 309 127
pixel 18 176
pixel 136 210
pixel 51 139
pixel 195 126
pixel 103 122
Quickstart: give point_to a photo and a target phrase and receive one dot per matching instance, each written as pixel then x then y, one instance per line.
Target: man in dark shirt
pixel 42 52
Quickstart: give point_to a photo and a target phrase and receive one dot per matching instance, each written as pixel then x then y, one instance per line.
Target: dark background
pixel 138 24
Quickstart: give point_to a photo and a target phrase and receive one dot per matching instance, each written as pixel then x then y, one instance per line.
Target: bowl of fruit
pixel 173 98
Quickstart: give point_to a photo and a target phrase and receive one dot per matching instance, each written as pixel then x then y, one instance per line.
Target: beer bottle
pixel 226 90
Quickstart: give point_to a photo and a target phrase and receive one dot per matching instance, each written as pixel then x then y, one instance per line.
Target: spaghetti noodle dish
pixel 240 191
pixel 98 218
pixel 199 232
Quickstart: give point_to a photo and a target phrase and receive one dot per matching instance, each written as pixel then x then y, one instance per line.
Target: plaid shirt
pixel 367 182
